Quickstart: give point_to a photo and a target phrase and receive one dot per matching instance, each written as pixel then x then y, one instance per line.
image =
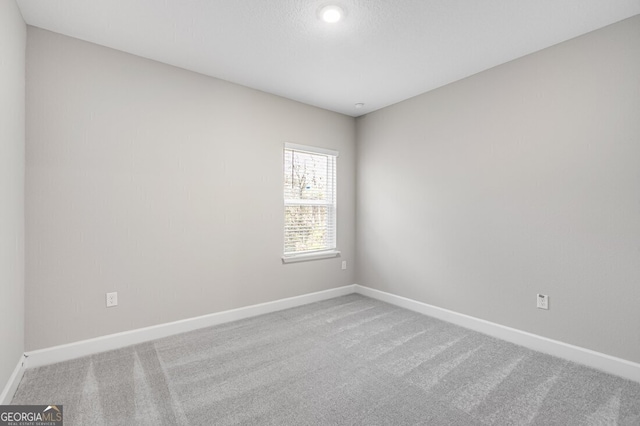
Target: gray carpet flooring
pixel 345 361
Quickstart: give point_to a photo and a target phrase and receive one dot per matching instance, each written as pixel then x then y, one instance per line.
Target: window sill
pixel 310 256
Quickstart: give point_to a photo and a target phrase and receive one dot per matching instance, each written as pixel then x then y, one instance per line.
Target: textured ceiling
pixel 382 52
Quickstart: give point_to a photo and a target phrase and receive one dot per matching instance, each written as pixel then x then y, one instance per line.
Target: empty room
pixel 309 212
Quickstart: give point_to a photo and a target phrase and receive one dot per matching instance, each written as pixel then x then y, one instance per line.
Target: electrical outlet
pixel 344 264
pixel 542 301
pixel 112 299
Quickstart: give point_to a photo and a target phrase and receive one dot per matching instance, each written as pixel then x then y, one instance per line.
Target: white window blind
pixel 309 200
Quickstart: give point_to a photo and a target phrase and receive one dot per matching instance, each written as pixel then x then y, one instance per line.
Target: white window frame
pixel 318 254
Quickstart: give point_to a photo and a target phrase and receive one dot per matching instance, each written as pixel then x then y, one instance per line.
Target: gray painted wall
pixel 163 185
pixel 13 36
pixel 520 180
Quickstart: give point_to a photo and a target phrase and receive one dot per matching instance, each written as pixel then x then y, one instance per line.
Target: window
pixel 309 203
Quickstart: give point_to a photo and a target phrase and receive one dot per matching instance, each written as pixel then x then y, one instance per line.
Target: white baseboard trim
pixel 82 348
pixel 607 363
pixel 603 362
pixel 14 380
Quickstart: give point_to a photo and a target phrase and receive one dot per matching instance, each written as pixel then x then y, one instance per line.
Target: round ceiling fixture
pixel 359 105
pixel 331 13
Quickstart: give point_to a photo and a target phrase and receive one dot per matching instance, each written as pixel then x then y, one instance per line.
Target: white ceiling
pixel 382 52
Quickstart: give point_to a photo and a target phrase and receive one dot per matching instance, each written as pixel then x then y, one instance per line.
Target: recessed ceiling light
pixel 331 13
pixel 359 105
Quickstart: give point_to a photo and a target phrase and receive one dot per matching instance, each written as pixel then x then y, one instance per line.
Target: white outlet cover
pixel 542 301
pixel 112 299
pixel 344 264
